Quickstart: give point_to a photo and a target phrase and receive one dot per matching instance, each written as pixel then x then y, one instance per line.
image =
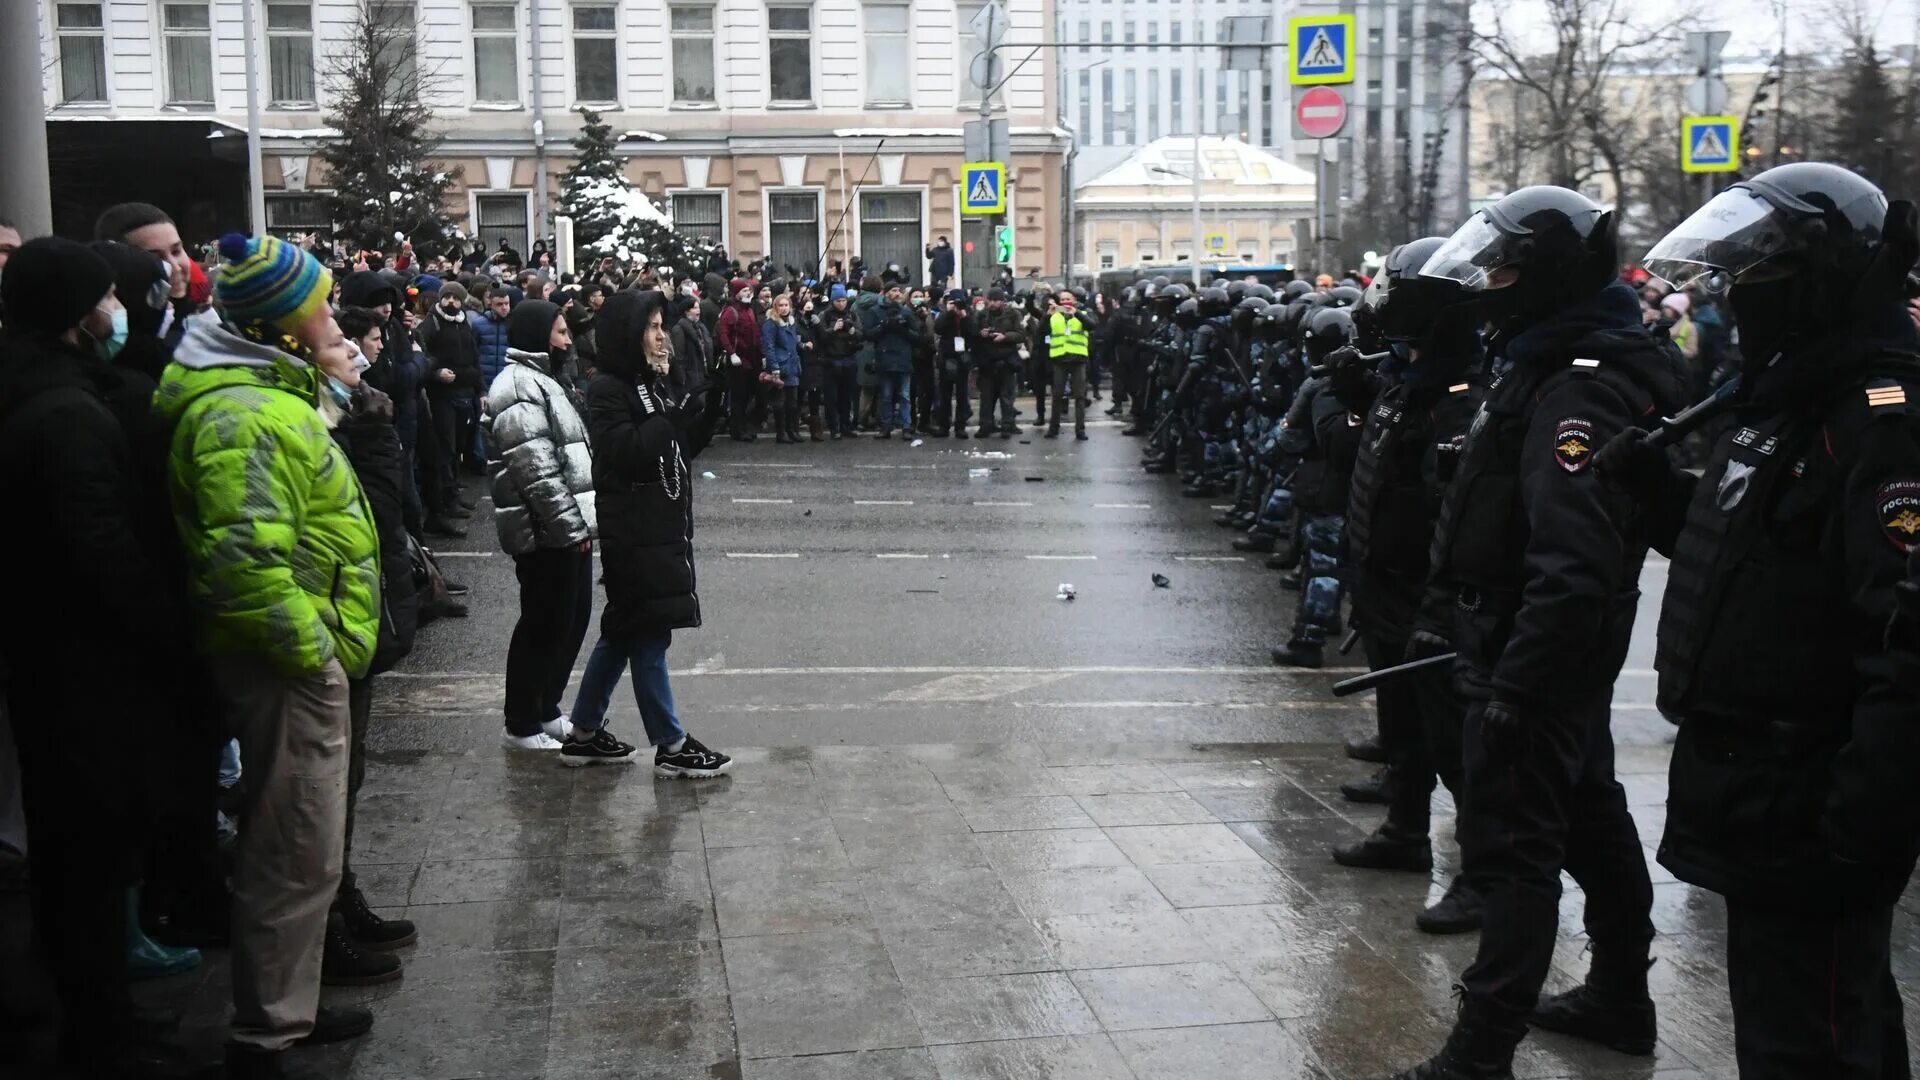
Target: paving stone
pixel 789 963
pixel 845 1008
pixel 619 1040
pixel 1025 814
pixel 1161 845
pixel 1058 849
pixel 1084 890
pixel 1219 884
pixel 1149 808
pixel 990 1007
pixel 1120 939
pixel 1068 1057
pixel 996 947
pixel 1254 1051
pixel 914 1064
pixel 1112 779
pixel 658 970
pixel 1170 995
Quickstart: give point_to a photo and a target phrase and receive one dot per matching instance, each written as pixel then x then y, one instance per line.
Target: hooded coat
pixel 536 444
pixel 739 333
pixel 397 372
pixel 643 439
pixel 285 562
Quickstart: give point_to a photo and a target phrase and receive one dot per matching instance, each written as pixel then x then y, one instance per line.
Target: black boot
pixel 345 963
pixel 1283 558
pixel 369 930
pixel 440 526
pixel 1381 788
pixel 1475 1050
pixel 1297 653
pixel 1383 851
pixel 1254 541
pixel 1611 1008
pixel 1367 748
pixel 1200 489
pixel 1458 912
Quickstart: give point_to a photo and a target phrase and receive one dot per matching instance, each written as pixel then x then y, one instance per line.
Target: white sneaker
pixel 558 728
pixel 540 741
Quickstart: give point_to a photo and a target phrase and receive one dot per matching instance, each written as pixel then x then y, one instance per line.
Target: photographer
pixel 955 338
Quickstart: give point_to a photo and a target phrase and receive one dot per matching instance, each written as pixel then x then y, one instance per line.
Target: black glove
pixel 1502 730
pixel 1632 464
pixel 1424 643
pixel 1353 378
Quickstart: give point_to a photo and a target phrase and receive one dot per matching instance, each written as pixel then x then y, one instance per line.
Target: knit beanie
pixel 838 292
pixel 51 283
pixel 453 290
pixel 268 281
pixel 530 327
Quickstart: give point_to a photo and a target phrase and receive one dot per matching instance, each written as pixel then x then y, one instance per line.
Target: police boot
pixel 1200 489
pixel 1284 558
pixel 345 962
pixel 1158 466
pixel 1381 787
pixel 1367 748
pixel 1386 850
pixel 1611 1008
pixel 1255 541
pixel 1134 430
pixel 1458 912
pixel 1477 1049
pixel 1298 653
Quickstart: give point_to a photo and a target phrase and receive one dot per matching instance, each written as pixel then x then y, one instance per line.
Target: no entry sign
pixel 1320 113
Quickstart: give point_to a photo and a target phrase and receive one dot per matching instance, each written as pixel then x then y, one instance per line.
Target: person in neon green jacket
pixel 284 561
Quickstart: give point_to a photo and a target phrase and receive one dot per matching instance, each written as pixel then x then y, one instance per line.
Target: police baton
pixel 1690 419
pixel 1361 683
pixel 1327 369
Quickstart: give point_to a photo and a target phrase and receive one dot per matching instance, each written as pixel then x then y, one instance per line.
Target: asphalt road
pixel 874 593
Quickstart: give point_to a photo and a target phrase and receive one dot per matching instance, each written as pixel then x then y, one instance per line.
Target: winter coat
pixel 451 346
pixel 278 535
pixel 693 354
pixel 542 466
pixel 836 334
pixel 1010 323
pixel 585 355
pixel 780 348
pixel 947 326
pixel 739 335
pixel 490 337
pixel 372 445
pixel 895 332
pixel 866 309
pixel 940 262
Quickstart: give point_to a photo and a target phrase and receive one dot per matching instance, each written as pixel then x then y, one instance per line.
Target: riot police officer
pixel 1791 787
pixel 1417 410
pixel 1541 564
pixel 1326 436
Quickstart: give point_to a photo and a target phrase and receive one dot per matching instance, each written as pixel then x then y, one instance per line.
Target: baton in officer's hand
pixel 1690 419
pixel 1362 683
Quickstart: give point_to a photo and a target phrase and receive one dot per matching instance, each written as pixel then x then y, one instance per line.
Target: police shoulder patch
pixel 1898 507
pixel 1573 443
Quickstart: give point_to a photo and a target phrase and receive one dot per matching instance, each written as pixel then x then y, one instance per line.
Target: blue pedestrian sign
pixel 1319 49
pixel 983 187
pixel 1710 144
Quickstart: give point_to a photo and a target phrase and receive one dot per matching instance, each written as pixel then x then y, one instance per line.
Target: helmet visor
pixel 1737 237
pixel 1474 256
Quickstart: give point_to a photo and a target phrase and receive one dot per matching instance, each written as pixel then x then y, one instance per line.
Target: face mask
pixel 340 392
pixel 111 347
pixel 919 301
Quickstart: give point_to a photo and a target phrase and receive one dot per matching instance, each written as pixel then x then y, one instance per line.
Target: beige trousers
pixel 293 736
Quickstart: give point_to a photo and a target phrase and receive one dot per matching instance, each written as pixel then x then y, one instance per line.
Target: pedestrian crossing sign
pixel 983 187
pixel 1710 144
pixel 1320 49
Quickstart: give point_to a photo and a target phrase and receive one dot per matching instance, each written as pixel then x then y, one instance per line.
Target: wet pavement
pixel 974 831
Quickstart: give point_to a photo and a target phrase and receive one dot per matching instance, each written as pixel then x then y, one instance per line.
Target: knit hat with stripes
pixel 265 280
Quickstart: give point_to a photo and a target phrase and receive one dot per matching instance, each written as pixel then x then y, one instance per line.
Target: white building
pixel 1255 207
pixel 759 121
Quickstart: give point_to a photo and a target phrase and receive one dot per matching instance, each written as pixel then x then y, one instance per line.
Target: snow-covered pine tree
pixel 386 185
pixel 612 217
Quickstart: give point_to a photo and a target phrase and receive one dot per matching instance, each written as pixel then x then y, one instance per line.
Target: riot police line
pixel 1476 452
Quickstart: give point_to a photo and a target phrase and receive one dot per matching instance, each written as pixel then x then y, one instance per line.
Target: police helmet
pixel 1402 305
pixel 1534 252
pixel 1295 289
pixel 1262 290
pixel 1162 280
pixel 1079 297
pixel 1214 300
pixel 1344 296
pixel 1236 292
pixel 1246 311
pixel 1188 313
pixel 1327 330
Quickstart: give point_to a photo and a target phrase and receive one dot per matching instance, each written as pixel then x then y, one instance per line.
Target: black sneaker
pixel 444 529
pixel 1458 912
pixel 456 588
pixel 601 749
pixel 1628 1026
pixel 1367 748
pixel 1378 852
pixel 1381 788
pixel 1302 654
pixel 368 929
pixel 345 963
pixel 337 1023
pixel 693 761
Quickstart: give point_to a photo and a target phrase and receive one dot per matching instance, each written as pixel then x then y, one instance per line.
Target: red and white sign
pixel 1321 112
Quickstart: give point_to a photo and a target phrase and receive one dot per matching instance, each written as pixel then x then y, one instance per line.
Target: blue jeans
pixel 647 654
pixel 896 400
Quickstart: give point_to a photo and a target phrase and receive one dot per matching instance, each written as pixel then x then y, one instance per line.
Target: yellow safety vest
pixel 1066 337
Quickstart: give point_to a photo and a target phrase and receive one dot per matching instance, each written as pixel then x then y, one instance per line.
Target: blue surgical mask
pixel 111 347
pixel 340 392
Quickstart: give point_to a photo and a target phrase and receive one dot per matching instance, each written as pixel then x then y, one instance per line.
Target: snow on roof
pixel 1169 162
pixel 893 133
pixel 649 136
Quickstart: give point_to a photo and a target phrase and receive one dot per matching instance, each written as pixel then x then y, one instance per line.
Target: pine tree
pixel 612 217
pixel 1869 129
pixel 386 185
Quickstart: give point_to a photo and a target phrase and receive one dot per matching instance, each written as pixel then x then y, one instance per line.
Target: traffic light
pixel 1003 244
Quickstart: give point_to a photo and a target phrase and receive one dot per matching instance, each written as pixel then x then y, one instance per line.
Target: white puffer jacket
pixel 542 464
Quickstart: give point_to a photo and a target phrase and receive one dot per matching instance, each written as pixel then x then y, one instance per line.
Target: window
pixel 692 55
pixel 1129 36
pixel 1175 120
pixel 1086 104
pixel 1147 255
pixel 1153 105
pixel 890 230
pixel 1403 78
pixel 189 37
pixel 496 76
pixel 1174 31
pixel 294 214
pixel 1106 36
pixel 793 230
pixel 290 53
pixel 1108 107
pixel 698 214
pixel 790 53
pixel 1130 123
pixel 1086 38
pixel 399 50
pixel 500 217
pixel 889 44
pixel 596 54
pixel 83 52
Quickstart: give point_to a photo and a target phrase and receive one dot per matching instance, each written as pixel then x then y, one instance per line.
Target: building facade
pixel 792 129
pixel 1255 208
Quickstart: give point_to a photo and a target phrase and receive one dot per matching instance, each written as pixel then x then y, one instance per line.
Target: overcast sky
pixel 1754 26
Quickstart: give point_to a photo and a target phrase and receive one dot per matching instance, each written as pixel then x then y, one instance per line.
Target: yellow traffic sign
pixel 1319 49
pixel 1710 144
pixel 983 187
pixel 1216 241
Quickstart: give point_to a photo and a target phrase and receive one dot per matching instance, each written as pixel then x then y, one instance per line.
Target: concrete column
pixel 25 194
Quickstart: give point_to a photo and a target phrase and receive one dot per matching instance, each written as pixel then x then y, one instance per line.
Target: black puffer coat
pixel 643 439
pixel 372 445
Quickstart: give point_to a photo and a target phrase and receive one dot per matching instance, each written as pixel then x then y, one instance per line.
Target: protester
pixel 780 348
pixel 453 380
pixel 740 344
pixel 956 340
pixel 544 512
pixel 263 497
pixel 836 335
pixel 895 332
